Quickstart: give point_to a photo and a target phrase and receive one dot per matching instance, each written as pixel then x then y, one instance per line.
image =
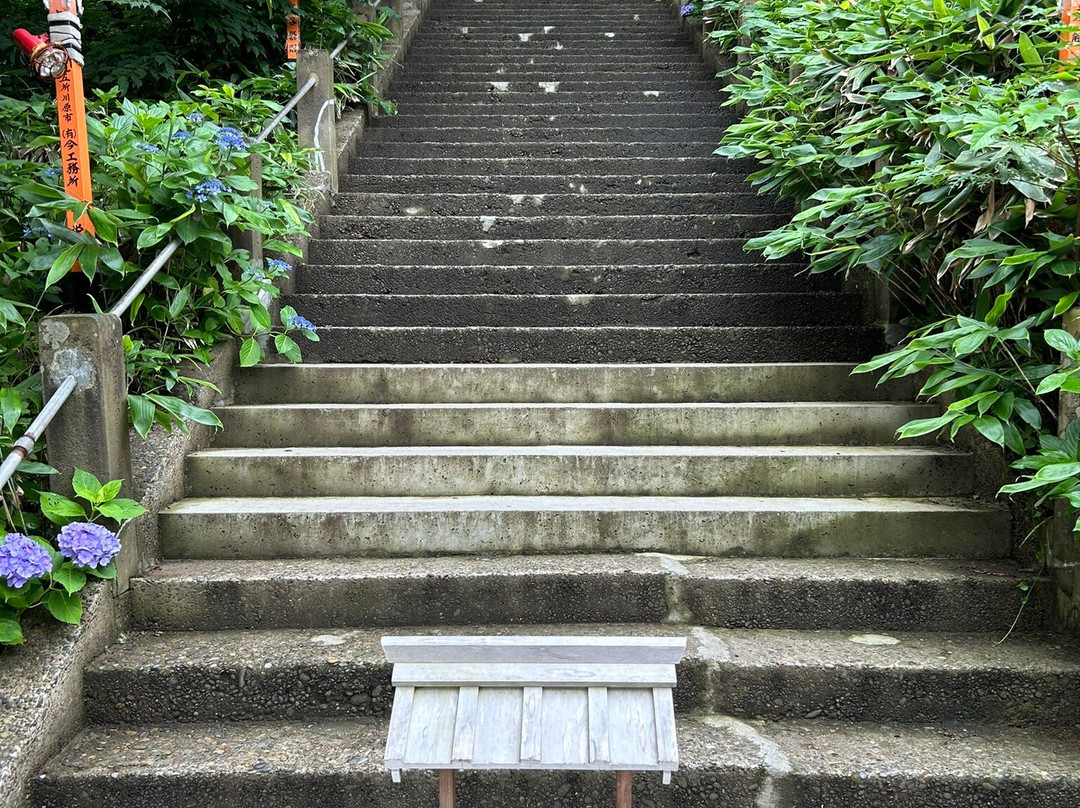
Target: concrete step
pixel 624 147
pixel 514 251
pixel 466 228
pixel 549 134
pixel 832 471
pixel 708 423
pixel 517 93
pixel 496 120
pixel 155 678
pixel 724 763
pixel 856 595
pixel 568 280
pixel 594 344
pixel 477 204
pixel 517 166
pixel 331 527
pixel 553 84
pixel 539 311
pixel 665 75
pixel 658 109
pixel 545 183
pixel 492 384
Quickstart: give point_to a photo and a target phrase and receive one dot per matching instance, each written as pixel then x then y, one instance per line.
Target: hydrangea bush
pixel 39 572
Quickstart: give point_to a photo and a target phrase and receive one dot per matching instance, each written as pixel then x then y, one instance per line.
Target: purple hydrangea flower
pixel 686 10
pixel 303 323
pixel 88 545
pixel 278 266
pixel 22 559
pixel 206 189
pixel 181 135
pixel 149 148
pixel 230 138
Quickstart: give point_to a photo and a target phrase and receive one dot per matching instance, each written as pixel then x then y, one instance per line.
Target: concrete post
pixel 251 240
pixel 315 118
pixel 91 430
pixel 1063 550
pixel 397 24
pixel 363 10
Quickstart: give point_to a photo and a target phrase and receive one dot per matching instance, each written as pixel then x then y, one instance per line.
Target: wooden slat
pixel 631 727
pixel 465 725
pixel 427 674
pixel 667 744
pixel 599 748
pixel 399 724
pixel 566 727
pixel 431 730
pixel 532 725
pixel 498 727
pixel 635 650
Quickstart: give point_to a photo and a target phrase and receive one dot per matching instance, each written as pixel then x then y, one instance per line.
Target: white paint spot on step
pixel 558 46
pixel 524 37
pixel 548 29
pixel 491 245
pixel 549 86
pixel 873 639
pixel 651 93
pixel 517 199
pixel 487 222
pixel 416 210
pixel 579 300
pixel 325 640
pixel 500 86
pixel 610 34
pixel 465 30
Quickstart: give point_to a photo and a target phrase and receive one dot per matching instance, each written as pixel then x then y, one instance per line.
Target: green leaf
pixel 86 485
pixel 250 353
pixel 64 607
pixel 152 235
pixel 32 467
pixel 107 573
pixel 60 510
pixel 1028 51
pixel 11 408
pixel 121 509
pixel 10 632
pixel 991 429
pixel 287 347
pixel 69 577
pixel 63 264
pixel 142 414
pixel 1061 340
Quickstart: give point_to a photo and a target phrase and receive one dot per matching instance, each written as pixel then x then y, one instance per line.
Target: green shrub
pixel 936 144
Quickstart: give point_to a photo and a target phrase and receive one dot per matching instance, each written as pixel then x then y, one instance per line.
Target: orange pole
pixel 71 106
pixel 1070 40
pixel 292 34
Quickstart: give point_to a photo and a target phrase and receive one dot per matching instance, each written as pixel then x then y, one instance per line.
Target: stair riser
pixel 782 309
pixel 702 786
pixel 821 425
pixel 587 166
pixel 559 280
pixel 513 252
pixel 228 691
pixel 612 344
pixel 574 150
pixel 554 83
pixel 555 183
pixel 715 593
pixel 494 122
pixel 393 384
pixel 558 205
pixel 482 475
pixel 796 534
pixel 617 75
pixel 709 98
pixel 475 134
pixel 654 110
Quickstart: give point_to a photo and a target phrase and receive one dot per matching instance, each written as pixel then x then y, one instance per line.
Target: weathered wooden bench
pixel 569 703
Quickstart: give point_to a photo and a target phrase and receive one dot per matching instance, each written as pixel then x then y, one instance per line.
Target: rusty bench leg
pixel 623 796
pixel 446 788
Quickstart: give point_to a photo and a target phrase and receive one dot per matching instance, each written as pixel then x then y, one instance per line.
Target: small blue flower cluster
pixel 52 173
pixel 182 135
pixel 196 117
pixel 206 189
pixel 230 138
pixel 88 545
pixel 686 10
pixel 149 148
pixel 278 267
pixel 302 323
pixel 253 273
pixel 22 559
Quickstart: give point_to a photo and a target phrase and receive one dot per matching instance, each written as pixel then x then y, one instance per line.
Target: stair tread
pixel 888 451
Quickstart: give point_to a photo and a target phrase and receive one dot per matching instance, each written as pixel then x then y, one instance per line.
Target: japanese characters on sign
pixel 292 34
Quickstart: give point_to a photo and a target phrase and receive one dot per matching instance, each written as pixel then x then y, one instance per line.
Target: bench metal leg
pixel 446 788
pixel 623 796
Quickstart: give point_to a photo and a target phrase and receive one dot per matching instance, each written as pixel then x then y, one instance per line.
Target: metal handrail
pixel 25 445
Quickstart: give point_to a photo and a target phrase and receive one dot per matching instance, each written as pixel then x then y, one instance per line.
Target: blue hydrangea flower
pixel 230 138
pixel 279 267
pixel 52 172
pixel 149 148
pixel 22 559
pixel 206 189
pixel 253 273
pixel 88 545
pixel 302 323
pixel 196 117
pixel 27 233
pixel 181 135
pixel 686 10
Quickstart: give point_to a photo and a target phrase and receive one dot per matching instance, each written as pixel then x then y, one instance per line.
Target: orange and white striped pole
pixel 292 34
pixel 1070 40
pixel 65 31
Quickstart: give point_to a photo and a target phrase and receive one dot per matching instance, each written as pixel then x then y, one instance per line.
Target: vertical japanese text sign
pixel 1070 40
pixel 292 34
pixel 65 30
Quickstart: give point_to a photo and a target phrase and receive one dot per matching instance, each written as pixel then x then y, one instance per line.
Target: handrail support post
pixel 315 114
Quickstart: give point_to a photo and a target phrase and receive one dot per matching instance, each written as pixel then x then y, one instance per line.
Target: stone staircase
pixel 650 432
